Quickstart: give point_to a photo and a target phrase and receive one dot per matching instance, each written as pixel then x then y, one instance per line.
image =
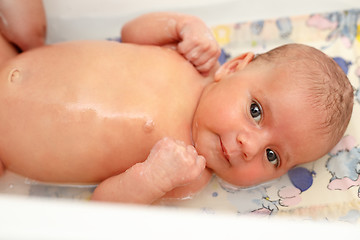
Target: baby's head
pixel 264 115
pixel 325 85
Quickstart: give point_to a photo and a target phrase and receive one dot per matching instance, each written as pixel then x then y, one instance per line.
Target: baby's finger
pixel 185 46
pixel 202 59
pixel 190 149
pixel 201 162
pixel 194 54
pixel 206 67
pixel 206 55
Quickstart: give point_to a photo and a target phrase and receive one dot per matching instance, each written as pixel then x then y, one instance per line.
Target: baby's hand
pixel 188 34
pixel 172 164
pixel 198 45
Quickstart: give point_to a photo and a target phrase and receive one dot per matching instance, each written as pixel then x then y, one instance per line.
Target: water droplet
pixel 27 181
pixel 149 126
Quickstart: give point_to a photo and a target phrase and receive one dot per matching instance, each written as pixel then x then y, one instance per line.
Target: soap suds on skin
pixel 148 123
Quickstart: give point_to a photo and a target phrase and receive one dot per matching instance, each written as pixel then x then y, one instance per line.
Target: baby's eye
pixel 272 157
pixel 256 111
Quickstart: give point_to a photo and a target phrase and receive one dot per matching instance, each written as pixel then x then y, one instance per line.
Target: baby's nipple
pixel 14 76
pixel 149 126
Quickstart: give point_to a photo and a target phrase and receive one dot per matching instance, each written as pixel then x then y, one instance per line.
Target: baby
pixel 155 116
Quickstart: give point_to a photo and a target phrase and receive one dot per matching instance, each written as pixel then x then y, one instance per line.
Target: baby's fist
pixel 198 45
pixel 174 164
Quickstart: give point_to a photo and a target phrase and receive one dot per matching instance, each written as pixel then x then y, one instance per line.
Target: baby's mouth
pixel 225 153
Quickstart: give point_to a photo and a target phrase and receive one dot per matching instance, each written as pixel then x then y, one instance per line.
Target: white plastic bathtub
pixel 22 217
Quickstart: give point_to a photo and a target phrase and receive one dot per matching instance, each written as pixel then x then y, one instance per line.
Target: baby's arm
pixel 187 34
pixel 23 22
pixel 170 164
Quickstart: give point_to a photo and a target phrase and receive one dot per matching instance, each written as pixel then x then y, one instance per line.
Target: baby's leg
pixel 23 23
pixel 7 50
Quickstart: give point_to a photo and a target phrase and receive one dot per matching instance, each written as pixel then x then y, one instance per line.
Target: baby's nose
pixel 250 145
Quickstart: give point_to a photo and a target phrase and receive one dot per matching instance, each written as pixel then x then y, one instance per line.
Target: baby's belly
pixel 75 114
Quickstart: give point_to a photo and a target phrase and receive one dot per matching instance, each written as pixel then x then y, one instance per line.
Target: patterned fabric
pixel 330 187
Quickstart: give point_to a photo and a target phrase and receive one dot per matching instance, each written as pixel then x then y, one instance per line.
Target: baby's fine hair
pixel 329 89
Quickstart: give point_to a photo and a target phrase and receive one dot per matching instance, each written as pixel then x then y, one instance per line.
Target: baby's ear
pixel 234 65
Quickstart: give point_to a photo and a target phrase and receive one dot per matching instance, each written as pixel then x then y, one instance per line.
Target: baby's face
pixel 254 125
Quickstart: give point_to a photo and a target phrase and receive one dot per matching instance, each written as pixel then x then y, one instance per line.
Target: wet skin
pixel 72 113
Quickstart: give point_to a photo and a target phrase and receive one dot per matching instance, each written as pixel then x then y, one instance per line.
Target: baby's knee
pixel 32 37
pixel 7 50
pixel 23 23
